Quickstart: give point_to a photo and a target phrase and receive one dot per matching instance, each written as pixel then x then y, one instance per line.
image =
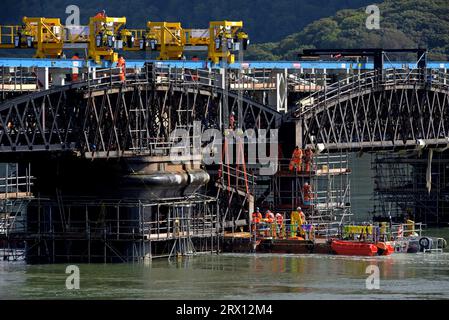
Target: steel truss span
pixel 374 111
pixel 106 118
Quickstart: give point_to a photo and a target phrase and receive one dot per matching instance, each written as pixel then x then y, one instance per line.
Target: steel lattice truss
pixel 117 119
pixel 397 111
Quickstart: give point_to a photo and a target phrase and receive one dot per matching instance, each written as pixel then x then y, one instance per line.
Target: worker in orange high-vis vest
pixel 307 194
pixel 101 14
pixel 308 159
pixel 257 218
pixel 280 224
pixel 269 219
pixel 75 70
pixel 269 216
pixel 121 64
pixel 296 161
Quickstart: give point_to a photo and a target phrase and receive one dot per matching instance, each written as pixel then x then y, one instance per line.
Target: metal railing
pixel 370 80
pixel 18 79
pixel 287 230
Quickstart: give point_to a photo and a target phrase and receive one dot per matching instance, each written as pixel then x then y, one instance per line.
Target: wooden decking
pixel 320 172
pixel 15 195
pixel 18 87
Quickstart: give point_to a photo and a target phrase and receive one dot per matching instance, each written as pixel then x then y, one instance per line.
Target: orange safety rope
pixel 244 170
pixel 240 153
pixel 225 156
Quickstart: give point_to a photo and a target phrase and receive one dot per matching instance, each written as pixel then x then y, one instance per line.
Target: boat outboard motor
pixel 425 243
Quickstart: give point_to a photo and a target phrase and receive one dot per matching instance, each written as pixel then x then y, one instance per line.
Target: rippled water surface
pixel 231 276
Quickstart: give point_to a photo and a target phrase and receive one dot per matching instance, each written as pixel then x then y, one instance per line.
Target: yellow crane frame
pixel 47 35
pixel 44 34
pixel 102 34
pixel 222 37
pixel 8 35
pixel 165 37
pixel 171 40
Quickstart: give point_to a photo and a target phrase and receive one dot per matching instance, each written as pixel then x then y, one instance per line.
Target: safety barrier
pixel 370 80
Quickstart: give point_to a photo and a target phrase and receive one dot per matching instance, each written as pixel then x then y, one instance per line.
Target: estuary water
pixel 233 276
pixel 238 276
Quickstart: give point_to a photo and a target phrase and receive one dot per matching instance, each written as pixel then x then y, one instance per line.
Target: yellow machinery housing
pixel 225 37
pixel 219 41
pixel 103 36
pixel 49 37
pixel 44 34
pixel 166 38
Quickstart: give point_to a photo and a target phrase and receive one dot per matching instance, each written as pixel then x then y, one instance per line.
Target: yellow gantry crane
pixel 105 36
pixel 172 41
pixel 224 38
pixel 44 34
pixel 102 37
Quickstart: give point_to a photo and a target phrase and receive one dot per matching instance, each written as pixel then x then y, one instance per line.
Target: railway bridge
pixel 106 122
pixel 377 110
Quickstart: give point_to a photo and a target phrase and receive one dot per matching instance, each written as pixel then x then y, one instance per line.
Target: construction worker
pixel 75 70
pixel 195 77
pixel 232 121
pixel 295 221
pixel 121 64
pixel 279 224
pixel 308 159
pixel 302 222
pixel 257 218
pixel 269 219
pixel 101 14
pixel 296 161
pixel 269 216
pixel 307 194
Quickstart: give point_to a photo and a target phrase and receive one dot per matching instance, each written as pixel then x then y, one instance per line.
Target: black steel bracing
pixel 113 120
pixel 374 113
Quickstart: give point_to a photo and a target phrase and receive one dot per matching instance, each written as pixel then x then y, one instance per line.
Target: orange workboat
pixel 354 248
pixel 384 248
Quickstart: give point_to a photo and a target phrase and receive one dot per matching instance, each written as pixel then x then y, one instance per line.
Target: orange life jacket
pixel 100 15
pixel 297 155
pixel 270 217
pixel 121 64
pixel 307 190
pixel 257 217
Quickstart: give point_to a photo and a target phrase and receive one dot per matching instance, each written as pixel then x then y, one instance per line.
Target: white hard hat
pixel 299 208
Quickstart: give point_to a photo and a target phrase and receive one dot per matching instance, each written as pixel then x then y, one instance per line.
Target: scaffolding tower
pixel 327 201
pixel 411 185
pixel 15 194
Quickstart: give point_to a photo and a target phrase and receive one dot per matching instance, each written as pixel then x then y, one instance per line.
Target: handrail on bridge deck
pixel 372 80
pixel 233 80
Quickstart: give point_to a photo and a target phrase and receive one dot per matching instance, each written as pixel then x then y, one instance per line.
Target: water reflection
pixel 234 276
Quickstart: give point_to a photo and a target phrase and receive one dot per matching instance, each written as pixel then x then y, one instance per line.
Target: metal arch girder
pixel 381 119
pixel 49 120
pixel 272 117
